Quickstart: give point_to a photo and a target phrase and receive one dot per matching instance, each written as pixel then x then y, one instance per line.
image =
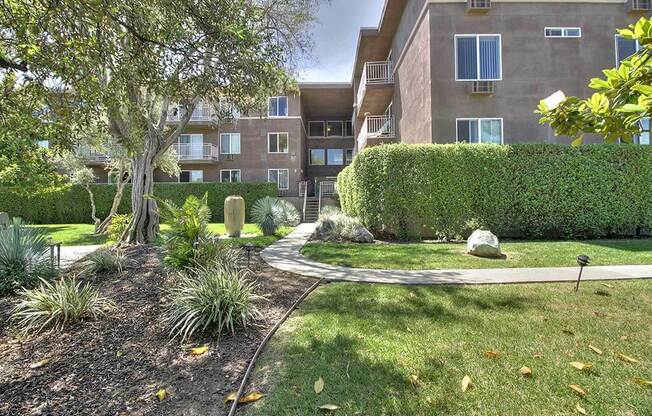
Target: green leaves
pixel 599 103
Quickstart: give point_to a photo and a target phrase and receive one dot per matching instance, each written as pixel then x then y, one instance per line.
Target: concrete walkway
pixel 284 255
pixel 70 254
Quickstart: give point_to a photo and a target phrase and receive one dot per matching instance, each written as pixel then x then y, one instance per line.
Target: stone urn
pixel 234 215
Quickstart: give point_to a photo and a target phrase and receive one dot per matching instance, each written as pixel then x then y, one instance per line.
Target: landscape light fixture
pixel 583 261
pixel 248 248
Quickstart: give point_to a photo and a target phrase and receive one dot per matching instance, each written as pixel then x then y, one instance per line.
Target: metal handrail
pixel 304 185
pixel 190 151
pixel 379 72
pixel 376 127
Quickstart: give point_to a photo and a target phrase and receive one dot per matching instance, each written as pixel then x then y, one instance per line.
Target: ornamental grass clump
pixel 334 225
pixel 212 299
pixel 57 305
pixel 271 213
pixel 105 260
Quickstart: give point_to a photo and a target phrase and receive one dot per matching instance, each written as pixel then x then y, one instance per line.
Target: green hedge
pixel 530 190
pixel 73 206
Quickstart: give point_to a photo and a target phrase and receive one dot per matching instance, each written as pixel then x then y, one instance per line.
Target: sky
pixel 336 36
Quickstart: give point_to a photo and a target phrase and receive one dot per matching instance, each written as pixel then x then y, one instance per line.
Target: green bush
pixel 73 206
pixel 117 226
pixel 530 190
pixel 334 225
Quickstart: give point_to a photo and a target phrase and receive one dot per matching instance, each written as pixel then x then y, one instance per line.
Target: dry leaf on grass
pixel 581 366
pixel 642 381
pixel 537 355
pixel 329 407
pixel 577 389
pixel 579 409
pixel 526 372
pixel 626 358
pixel 414 379
pixel 568 332
pixel 199 350
pixel 39 364
pixel 598 314
pixel 161 394
pixel 595 350
pixel 466 383
pixel 251 397
pixel 319 385
pixel 607 285
pixel 492 354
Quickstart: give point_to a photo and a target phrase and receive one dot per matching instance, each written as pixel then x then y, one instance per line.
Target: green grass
pixel 367 340
pixel 82 234
pixel 421 256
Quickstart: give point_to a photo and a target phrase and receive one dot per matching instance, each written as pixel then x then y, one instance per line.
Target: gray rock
pixel 4 220
pixel 325 229
pixel 361 235
pixel 483 243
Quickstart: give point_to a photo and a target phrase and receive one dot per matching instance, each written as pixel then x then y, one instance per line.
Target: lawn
pixel 400 350
pixel 421 256
pixel 82 234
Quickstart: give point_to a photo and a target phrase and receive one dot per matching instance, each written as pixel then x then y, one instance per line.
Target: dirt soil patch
pixel 116 364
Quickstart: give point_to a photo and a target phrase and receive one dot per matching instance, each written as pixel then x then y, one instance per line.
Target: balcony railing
pixel 376 127
pixel 374 73
pixel 202 112
pixel 92 155
pixel 195 152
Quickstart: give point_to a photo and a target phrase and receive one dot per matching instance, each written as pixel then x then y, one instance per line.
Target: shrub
pixel 334 225
pixel 72 206
pixel 118 225
pixel 211 252
pixel 532 190
pixel 105 260
pixel 24 256
pixel 211 298
pixel 56 305
pixel 271 213
pixel 188 225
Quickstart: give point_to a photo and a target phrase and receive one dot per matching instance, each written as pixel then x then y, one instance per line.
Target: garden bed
pixel 115 364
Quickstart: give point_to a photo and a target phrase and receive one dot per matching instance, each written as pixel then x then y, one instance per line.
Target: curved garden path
pixel 285 255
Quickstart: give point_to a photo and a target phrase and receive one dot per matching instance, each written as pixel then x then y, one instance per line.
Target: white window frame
pixel 564 32
pixel 230 171
pixel 616 36
pixel 323 123
pixel 480 119
pixel 231 136
pixel 191 171
pixel 310 156
pixel 278 177
pixel 477 50
pixel 287 106
pixel 269 137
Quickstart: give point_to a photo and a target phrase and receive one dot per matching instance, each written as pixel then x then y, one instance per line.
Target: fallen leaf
pixel 568 332
pixel 251 397
pixel 599 314
pixel 412 295
pixel 319 385
pixel 466 383
pixel 526 372
pixel 642 381
pixel 329 407
pixel 119 354
pixel 39 364
pixel 624 338
pixel 492 354
pixel 625 358
pixel 579 409
pixel 199 350
pixel 607 285
pixel 595 350
pixel 537 355
pixel 161 394
pixel 577 389
pixel 581 366
pixel 414 379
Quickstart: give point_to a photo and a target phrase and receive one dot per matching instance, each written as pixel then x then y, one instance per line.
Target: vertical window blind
pixel 478 58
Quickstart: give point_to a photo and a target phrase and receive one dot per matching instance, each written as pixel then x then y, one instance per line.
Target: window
pixel 335 129
pixel 277 142
pixel 230 175
pixel 563 32
pixel 349 156
pixel 316 129
pixel 317 157
pixel 278 107
pixel 348 129
pixel 480 130
pixel 335 157
pixel 279 176
pixel 191 176
pixel 625 48
pixel 478 58
pixel 644 137
pixel 230 143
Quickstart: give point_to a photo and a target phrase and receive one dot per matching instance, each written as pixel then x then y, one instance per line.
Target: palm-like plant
pixel 270 213
pixel 23 256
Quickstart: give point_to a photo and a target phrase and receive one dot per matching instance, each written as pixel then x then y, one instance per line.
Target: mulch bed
pixel 116 364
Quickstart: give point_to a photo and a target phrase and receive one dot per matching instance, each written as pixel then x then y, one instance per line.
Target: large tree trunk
pixel 144 225
pixel 117 199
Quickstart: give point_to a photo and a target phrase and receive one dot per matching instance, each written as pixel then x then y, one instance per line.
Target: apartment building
pixel 441 71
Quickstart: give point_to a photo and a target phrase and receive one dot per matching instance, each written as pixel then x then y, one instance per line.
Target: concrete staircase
pixel 312 209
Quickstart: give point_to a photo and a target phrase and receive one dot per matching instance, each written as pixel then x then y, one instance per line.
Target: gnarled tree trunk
pixel 96 220
pixel 117 199
pixel 144 225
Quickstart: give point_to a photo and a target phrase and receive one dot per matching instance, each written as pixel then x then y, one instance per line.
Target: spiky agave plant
pixel 264 213
pixel 287 214
pixel 23 256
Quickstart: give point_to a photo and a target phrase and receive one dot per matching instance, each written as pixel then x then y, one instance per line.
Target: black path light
pixel 582 261
pixel 248 248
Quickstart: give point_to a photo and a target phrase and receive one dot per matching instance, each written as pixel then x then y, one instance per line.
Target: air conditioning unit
pixel 478 5
pixel 228 157
pixel 640 5
pixel 483 87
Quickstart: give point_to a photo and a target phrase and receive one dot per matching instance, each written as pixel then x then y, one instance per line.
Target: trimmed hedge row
pixel 73 205
pixel 529 190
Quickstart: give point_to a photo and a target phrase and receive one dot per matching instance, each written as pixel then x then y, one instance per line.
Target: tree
pixel 623 98
pixel 133 60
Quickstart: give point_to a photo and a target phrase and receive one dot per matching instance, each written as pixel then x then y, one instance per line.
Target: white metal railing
pixel 374 73
pixel 641 4
pixel 203 112
pixel 376 127
pixel 326 188
pixel 190 151
pixel 92 155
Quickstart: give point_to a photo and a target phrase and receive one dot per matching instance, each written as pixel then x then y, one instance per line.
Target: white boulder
pixel 483 243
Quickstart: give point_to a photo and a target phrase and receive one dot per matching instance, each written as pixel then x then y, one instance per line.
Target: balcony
pixel 92 156
pixel 376 130
pixel 376 87
pixel 189 152
pixel 203 113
